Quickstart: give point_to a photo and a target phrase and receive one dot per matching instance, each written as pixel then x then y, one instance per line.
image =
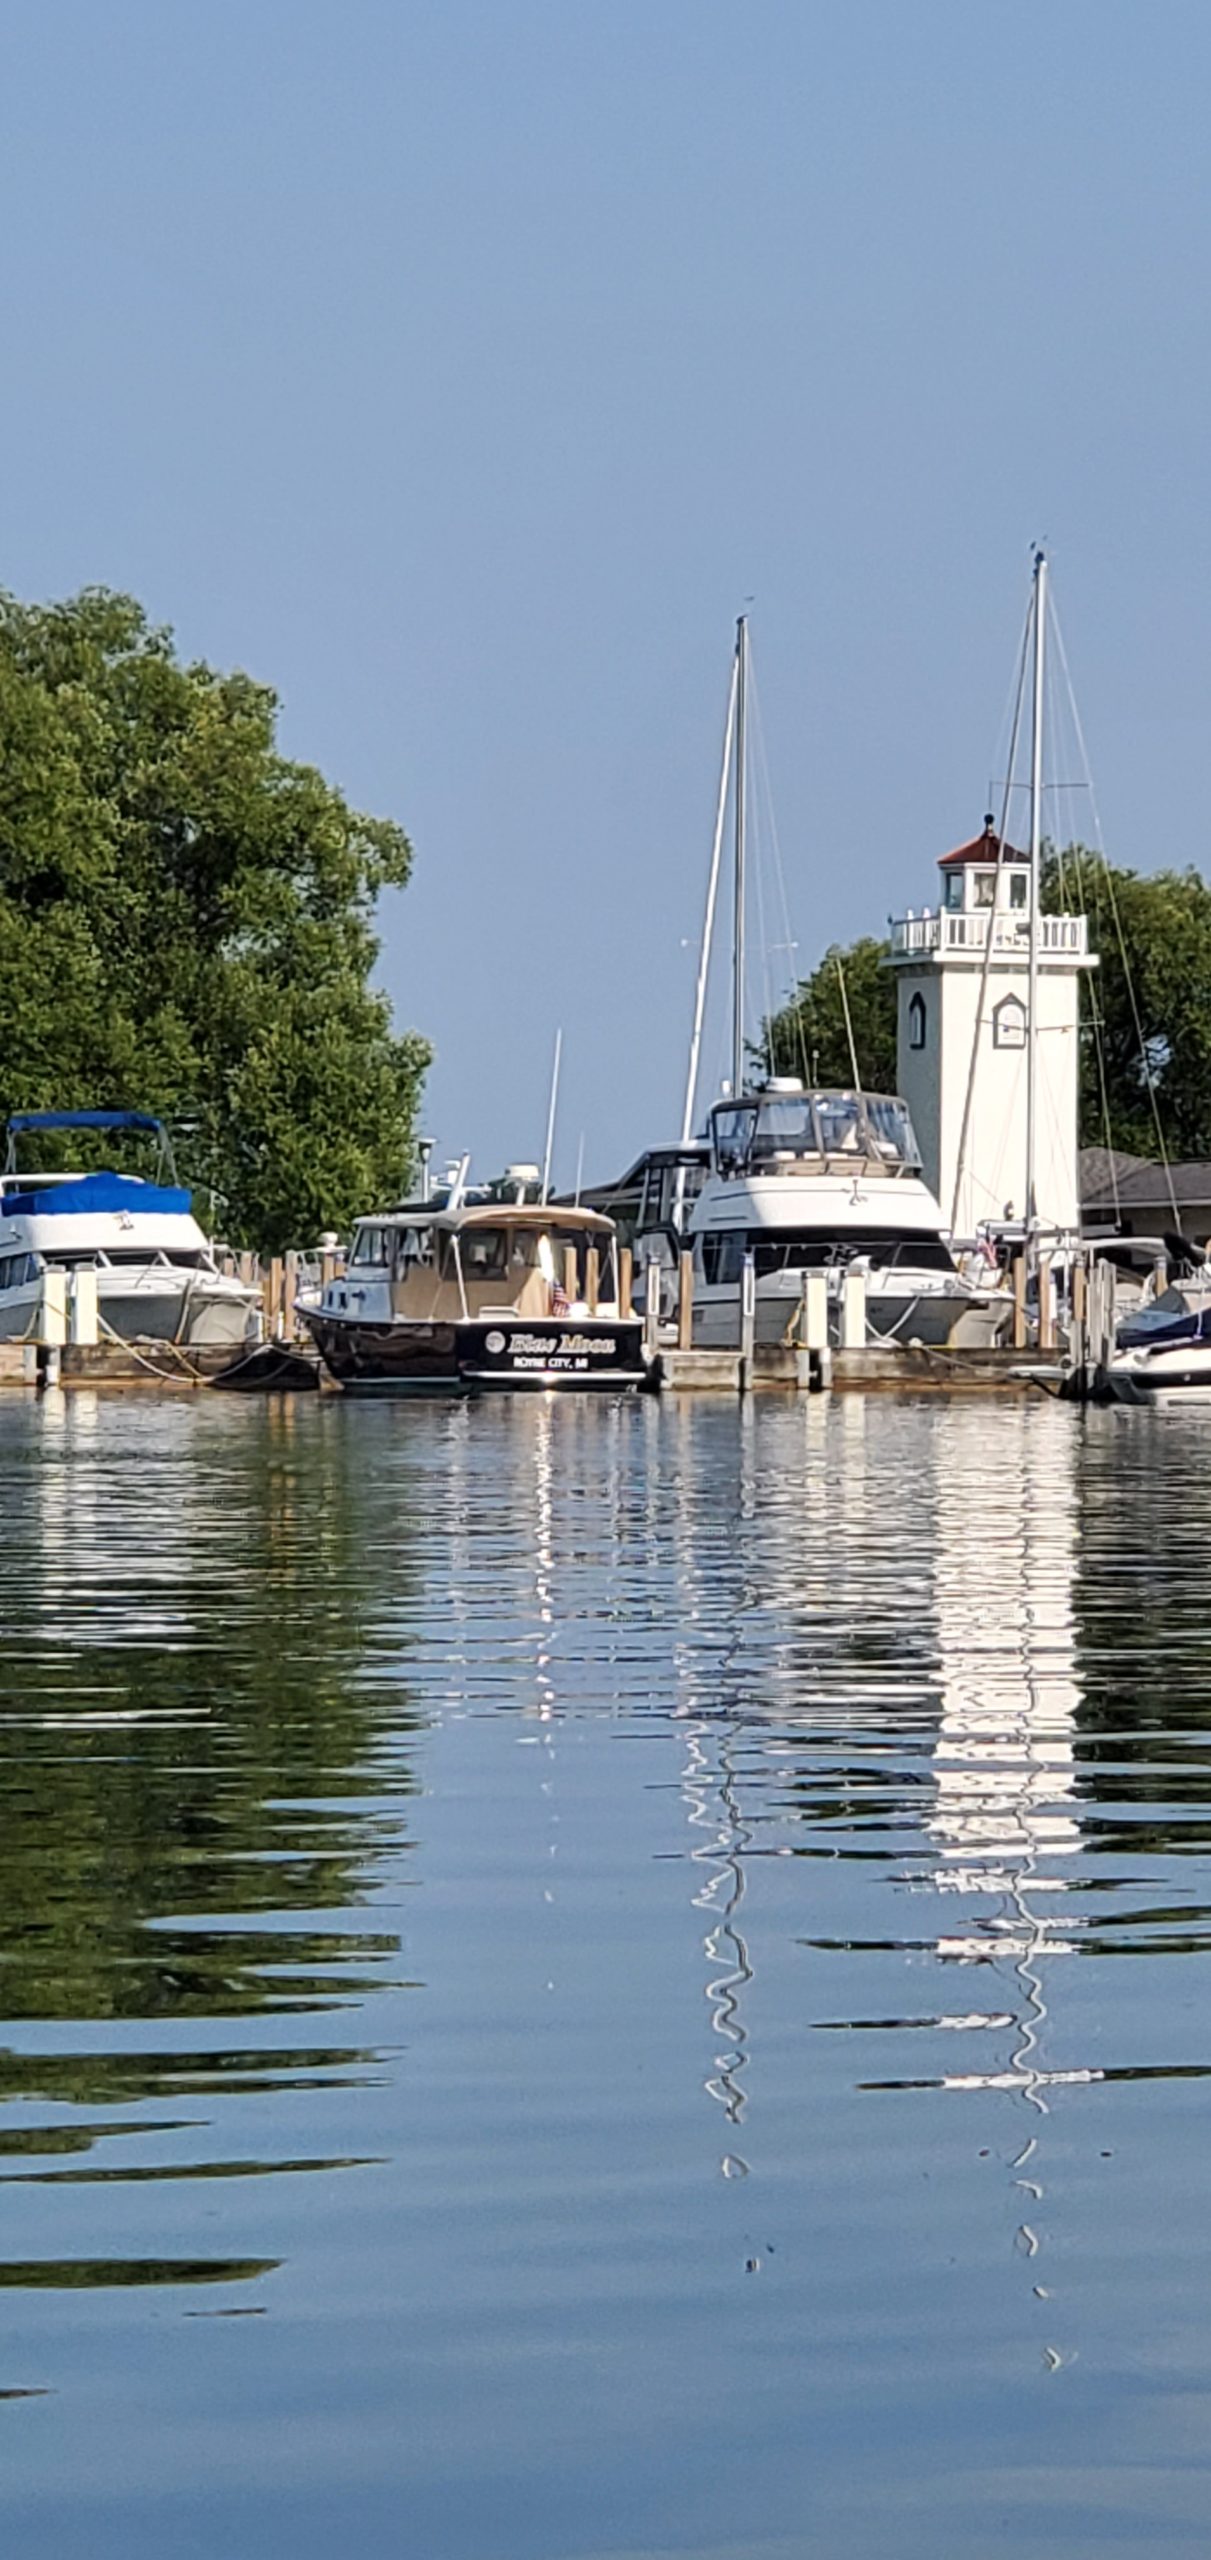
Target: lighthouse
pixel 989 1090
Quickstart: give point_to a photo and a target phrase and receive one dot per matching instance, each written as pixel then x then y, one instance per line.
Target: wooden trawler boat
pixel 462 1298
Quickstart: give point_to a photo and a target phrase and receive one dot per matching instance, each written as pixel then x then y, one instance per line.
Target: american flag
pixel 559 1299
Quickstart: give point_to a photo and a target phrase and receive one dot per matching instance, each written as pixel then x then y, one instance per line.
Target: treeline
pixel 187 925
pixel 1145 1010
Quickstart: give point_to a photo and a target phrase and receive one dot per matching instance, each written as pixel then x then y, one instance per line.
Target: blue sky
pixel 462 371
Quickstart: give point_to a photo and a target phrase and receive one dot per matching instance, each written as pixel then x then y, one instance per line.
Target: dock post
pixel 853 1311
pixel 626 1269
pixel 571 1274
pixel 748 1320
pixel 1019 1302
pixel 82 1306
pixel 1160 1275
pixel 290 1282
pixel 813 1358
pixel 1077 1331
pixel 685 1301
pixel 1101 1316
pixel 1045 1335
pixel 51 1313
pixel 651 1310
pixel 592 1278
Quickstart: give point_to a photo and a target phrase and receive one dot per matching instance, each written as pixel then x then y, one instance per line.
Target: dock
pixel 874 1368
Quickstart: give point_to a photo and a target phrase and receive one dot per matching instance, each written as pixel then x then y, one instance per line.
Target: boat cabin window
pixel 370 1244
pixel 484 1252
pixel 110 1257
pixel 732 1135
pixel 413 1250
pixel 669 1190
pixel 886 1248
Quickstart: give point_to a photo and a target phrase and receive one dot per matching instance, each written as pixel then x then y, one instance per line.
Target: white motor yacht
pixel 157 1276
pixel 827 1180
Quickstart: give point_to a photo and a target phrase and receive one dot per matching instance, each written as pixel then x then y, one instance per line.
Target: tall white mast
pixel 554 1097
pixel 708 921
pixel 1036 840
pixel 738 910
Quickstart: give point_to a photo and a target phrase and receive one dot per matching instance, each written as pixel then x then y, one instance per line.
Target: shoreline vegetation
pixel 187 925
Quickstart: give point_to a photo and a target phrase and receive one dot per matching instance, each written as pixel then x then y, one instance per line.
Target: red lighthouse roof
pixel 985 848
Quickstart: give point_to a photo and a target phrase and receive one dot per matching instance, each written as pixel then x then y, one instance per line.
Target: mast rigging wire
pixel 1100 850
pixel 1015 730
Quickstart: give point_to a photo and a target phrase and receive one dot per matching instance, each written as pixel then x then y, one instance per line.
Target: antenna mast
pixel 738 913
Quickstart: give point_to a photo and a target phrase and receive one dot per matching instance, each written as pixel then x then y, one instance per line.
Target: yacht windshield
pixel 732 1135
pixel 786 1126
pixel 841 1124
pixel 893 1131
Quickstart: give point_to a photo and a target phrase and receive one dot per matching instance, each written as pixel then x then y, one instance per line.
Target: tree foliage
pixel 186 923
pixel 808 1037
pixel 1146 1008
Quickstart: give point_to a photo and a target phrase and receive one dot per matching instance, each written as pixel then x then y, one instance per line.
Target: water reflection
pixel 775 1761
pixel 1003 1601
pixel 189 1782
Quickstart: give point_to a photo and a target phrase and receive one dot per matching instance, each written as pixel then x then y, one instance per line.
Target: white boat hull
pixel 937 1312
pixel 1164 1380
pixel 214 1314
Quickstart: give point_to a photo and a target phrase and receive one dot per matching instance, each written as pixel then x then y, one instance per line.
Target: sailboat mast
pixel 1036 841
pixel 708 921
pixel 554 1098
pixel 739 790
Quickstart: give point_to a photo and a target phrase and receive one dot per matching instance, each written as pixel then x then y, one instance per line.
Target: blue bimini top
pixel 98 1195
pixel 22 1120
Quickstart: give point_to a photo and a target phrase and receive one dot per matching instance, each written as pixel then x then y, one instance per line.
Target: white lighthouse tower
pixel 988 1018
pixel 993 1096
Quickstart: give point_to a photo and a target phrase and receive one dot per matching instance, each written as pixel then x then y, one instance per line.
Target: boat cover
pixel 21 1120
pixel 1140 1335
pixel 98 1195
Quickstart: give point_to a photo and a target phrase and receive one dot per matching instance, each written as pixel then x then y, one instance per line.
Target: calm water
pixel 591 1980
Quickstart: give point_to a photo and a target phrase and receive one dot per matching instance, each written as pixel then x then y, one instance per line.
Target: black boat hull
pixel 481 1355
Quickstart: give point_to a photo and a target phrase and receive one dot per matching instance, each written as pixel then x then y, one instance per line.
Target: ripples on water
pixel 599 1980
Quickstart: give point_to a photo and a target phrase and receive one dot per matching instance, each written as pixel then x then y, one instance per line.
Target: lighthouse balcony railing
pixel 1060 937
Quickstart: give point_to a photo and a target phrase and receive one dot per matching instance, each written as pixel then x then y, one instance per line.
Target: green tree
pixel 808 1037
pixel 1146 1008
pixel 186 923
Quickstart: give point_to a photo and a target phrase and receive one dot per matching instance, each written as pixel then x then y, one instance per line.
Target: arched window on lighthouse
pixel 916 1022
pixel 1009 1023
